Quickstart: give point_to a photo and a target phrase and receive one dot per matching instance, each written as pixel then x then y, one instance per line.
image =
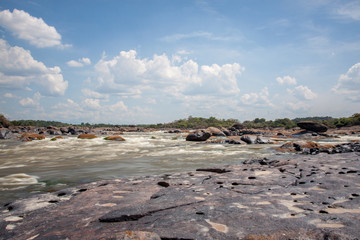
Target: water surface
pixel 40 166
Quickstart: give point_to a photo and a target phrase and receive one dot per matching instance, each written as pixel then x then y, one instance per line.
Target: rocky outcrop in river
pixel 299 197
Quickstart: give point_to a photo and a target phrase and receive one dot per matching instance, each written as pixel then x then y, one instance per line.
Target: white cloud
pixel 93 94
pixel 298 106
pixel 18 69
pixel 350 10
pixel 349 83
pixel 119 106
pixel 79 63
pixel 257 99
pixel 32 29
pixel 249 98
pixel 127 72
pixel 31 102
pixel 286 80
pixel 303 92
pixel 92 103
pixel 197 34
pixel 9 95
pixel 151 101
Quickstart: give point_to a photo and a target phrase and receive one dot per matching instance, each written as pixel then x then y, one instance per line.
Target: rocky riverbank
pixel 301 197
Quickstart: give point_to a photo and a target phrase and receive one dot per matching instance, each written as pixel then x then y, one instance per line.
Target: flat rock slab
pixel 301 197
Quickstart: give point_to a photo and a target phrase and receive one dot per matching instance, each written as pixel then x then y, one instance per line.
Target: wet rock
pixel 31 136
pixel 312 126
pixel 262 140
pixel 238 126
pixel 72 131
pixel 56 138
pixel 6 133
pixel 199 135
pixel 215 132
pixel 115 138
pixel 298 145
pixel 225 131
pixel 249 139
pixel 174 131
pixel 87 136
pixel 214 170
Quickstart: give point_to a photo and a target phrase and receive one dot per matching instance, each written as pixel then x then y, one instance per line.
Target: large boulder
pixel 249 139
pixel 5 133
pixel 72 131
pixel 115 138
pixel 298 145
pixel 86 136
pixel 31 136
pixel 215 132
pixel 199 135
pixel 312 126
pixel 238 126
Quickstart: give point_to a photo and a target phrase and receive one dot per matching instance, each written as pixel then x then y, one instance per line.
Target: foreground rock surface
pixel 300 197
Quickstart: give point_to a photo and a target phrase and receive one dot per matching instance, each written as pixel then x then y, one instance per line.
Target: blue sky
pixel 140 61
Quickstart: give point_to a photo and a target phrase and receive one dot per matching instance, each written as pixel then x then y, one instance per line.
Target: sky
pixel 156 61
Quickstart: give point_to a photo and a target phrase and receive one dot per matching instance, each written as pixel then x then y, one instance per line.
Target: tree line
pixel 199 122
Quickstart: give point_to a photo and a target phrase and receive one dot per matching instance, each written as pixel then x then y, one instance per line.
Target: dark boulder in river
pixel 215 131
pixel 312 126
pixel 199 135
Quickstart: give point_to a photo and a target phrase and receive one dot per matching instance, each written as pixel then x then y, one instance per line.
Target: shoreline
pixel 303 195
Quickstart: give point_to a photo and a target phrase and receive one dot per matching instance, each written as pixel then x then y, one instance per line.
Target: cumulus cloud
pixel 32 29
pixel 349 83
pixel 298 106
pixel 93 94
pixel 257 99
pixel 18 69
pixel 9 95
pixel 126 72
pixel 79 63
pixel 31 102
pixel 286 80
pixel 92 103
pixel 119 106
pixel 303 92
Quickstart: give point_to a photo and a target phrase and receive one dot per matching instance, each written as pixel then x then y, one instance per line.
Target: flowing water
pixel 42 166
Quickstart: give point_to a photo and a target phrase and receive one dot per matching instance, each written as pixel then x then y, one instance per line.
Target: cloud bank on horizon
pixel 157 61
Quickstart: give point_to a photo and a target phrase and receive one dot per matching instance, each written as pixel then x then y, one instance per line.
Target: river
pixel 43 166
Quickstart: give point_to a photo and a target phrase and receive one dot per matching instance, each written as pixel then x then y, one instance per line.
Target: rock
pixel 312 126
pixel 296 197
pixel 135 235
pixel 248 139
pixel 63 131
pixel 225 131
pixel 56 138
pixel 72 131
pixel 299 145
pixel 115 138
pixel 86 136
pixel 53 132
pixel 199 135
pixel 215 132
pixel 238 126
pixel 5 133
pixel 174 131
pixel 31 136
